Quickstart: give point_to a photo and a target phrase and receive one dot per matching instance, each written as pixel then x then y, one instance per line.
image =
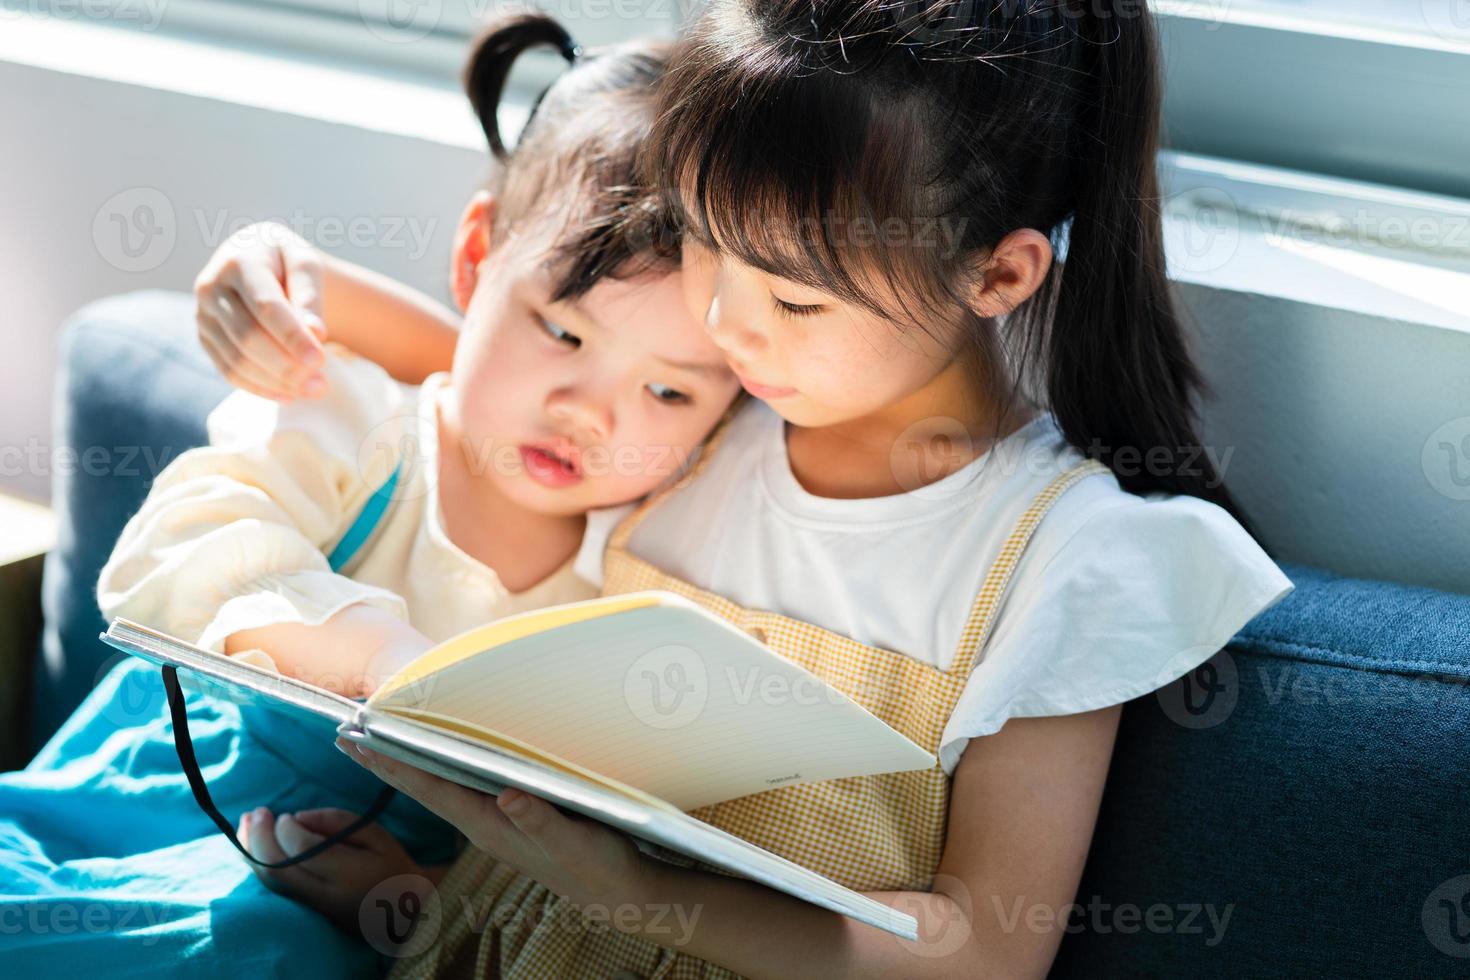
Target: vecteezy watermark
pixel 1448 20
pixel 1125 918
pixel 1291 683
pixel 1340 228
pixel 135 229
pixel 401 916
pixel 142 14
pixel 1445 917
pixel 407 233
pixel 400 21
pixel 409 443
pixel 1208 694
pixel 945 915
pixel 1202 697
pixel 129 692
pixel 1203 231
pixel 928 23
pixel 68 917
pixel 671 923
pixel 925 456
pixel 1446 459
pixel 138 228
pixel 406 21
pixel 667 687
pixel 38 459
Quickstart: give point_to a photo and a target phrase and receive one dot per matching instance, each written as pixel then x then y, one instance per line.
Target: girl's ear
pixel 1012 273
pixel 471 247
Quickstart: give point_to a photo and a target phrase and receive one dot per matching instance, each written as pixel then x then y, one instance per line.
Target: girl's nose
pixel 730 331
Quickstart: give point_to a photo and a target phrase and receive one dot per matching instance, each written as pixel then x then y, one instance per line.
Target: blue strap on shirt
pixel 351 542
pixel 367 521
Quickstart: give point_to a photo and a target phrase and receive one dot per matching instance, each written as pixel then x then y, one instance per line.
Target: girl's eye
pixel 668 395
pixel 560 334
pixel 796 309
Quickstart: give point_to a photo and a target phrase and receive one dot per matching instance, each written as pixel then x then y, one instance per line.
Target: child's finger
pixel 294 837
pixel 330 820
pixel 242 831
pixel 258 343
pixel 326 819
pixel 267 302
pixel 265 847
pixel 304 276
pixel 239 371
pixel 298 881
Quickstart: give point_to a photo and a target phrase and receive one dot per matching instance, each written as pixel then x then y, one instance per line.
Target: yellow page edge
pixel 481 638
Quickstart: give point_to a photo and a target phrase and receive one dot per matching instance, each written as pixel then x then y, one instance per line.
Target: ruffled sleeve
pixel 1141 594
pixel 232 535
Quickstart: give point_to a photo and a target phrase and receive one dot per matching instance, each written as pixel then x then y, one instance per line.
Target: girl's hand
pixel 260 312
pixel 337 881
pixel 578 859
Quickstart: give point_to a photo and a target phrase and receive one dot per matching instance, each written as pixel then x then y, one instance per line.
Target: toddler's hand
pixel 260 312
pixel 337 881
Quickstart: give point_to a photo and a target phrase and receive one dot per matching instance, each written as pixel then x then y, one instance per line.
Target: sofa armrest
pixel 27 532
pixel 133 393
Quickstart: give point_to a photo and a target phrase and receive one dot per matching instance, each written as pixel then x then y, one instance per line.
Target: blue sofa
pixel 1296 807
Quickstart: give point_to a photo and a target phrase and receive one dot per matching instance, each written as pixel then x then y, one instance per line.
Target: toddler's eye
pixel 561 334
pixel 668 395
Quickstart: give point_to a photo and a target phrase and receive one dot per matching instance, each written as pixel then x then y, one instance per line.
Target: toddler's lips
pixel 549 469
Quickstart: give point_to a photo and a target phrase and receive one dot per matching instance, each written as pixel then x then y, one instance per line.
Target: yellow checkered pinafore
pixel 870 833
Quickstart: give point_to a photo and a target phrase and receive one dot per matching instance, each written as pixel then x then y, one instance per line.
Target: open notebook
pixel 628 709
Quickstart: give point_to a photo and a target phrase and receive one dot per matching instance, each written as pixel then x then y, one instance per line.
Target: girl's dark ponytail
pixel 1120 376
pixel 495 51
pixel 957 123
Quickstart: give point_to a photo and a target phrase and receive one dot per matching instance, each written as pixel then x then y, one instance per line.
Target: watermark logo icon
pixel 1203 697
pixel 927 452
pixel 1446 459
pixel 1448 20
pixel 135 230
pixel 1446 917
pixel 1204 227
pixel 667 687
pixel 407 442
pixel 401 916
pixel 400 21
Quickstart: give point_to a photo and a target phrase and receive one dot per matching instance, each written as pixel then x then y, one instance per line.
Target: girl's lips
pixel 547 469
pixel 764 392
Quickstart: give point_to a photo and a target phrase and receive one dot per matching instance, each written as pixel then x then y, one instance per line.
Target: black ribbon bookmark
pixel 185 746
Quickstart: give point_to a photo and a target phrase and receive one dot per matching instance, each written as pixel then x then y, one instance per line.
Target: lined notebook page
pixel 669 699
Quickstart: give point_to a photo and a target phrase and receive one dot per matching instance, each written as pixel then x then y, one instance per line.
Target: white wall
pixel 72 144
pixel 1351 433
pixel 1338 418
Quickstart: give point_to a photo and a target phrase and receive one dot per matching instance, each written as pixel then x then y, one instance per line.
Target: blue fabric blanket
pixel 109 868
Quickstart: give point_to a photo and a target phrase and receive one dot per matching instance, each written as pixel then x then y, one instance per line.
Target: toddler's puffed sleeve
pixel 1142 593
pixel 232 535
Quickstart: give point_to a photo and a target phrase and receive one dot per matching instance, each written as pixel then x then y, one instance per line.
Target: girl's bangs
pixel 813 188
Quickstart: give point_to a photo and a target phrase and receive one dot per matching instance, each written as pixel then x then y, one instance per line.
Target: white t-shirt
pixel 1115 596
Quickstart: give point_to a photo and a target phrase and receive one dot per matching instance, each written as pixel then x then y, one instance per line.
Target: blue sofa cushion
pixel 1296 807
pixel 134 390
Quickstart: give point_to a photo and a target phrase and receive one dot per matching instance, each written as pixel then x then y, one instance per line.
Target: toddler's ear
pixel 471 246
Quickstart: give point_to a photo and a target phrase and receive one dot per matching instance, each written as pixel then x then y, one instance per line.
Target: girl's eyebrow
pixel 708 368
